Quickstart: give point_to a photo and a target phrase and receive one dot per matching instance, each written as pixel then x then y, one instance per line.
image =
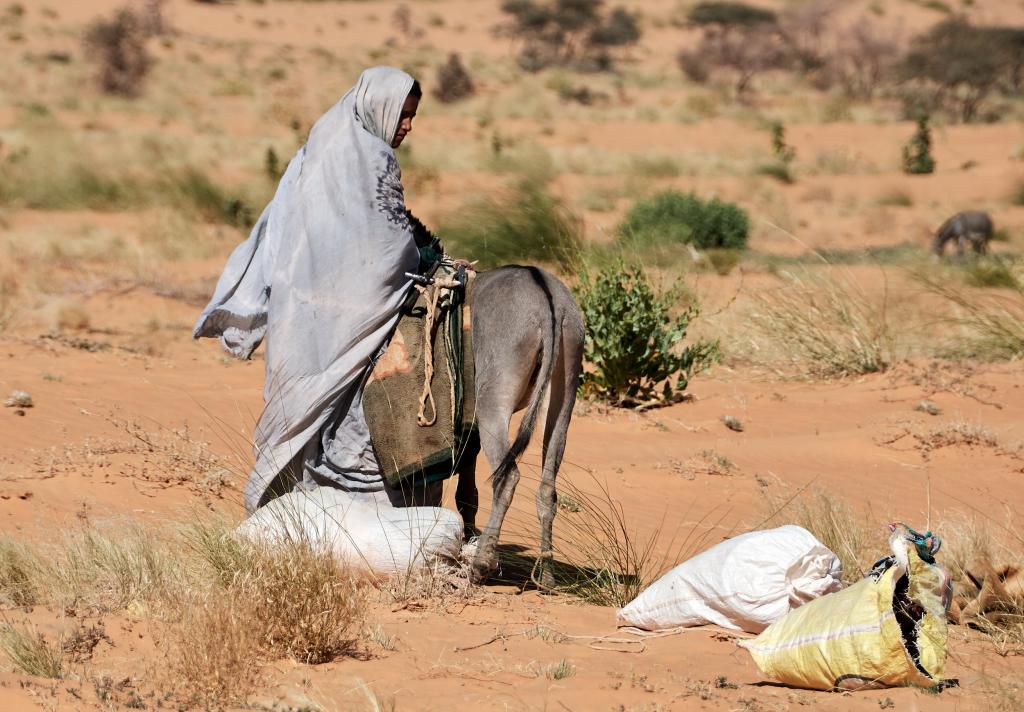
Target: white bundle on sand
pixel 381 538
pixel 745 583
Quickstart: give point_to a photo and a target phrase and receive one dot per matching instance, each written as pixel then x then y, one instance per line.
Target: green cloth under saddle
pixel 411 454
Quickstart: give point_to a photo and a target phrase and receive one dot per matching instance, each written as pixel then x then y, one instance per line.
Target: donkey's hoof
pixel 542 575
pixel 481 570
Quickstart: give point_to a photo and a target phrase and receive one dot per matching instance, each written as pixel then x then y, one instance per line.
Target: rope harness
pixel 433 294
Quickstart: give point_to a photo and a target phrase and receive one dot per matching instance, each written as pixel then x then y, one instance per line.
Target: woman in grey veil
pixel 321 279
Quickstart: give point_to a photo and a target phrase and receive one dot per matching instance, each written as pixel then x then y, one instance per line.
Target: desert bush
pixel 804 29
pixel 673 217
pixel 917 153
pixel 734 14
pixel 694 65
pixel 775 169
pixel 634 342
pixel 118 45
pixel 523 223
pixel 30 652
pixel 896 197
pixel 783 155
pixel 963 64
pixel 453 81
pixel 191 189
pixel 825 326
pixel 562 32
pixel 864 57
pixel 745 50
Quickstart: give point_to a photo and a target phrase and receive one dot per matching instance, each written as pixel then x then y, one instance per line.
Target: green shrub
pixel 633 341
pixel 522 224
pixel 672 216
pixel 917 154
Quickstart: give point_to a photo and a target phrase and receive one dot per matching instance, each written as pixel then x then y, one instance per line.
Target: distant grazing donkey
pixel 972 226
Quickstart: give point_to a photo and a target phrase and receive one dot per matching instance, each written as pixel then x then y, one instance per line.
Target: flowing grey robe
pixel 322 278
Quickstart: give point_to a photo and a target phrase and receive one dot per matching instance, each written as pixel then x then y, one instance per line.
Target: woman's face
pixel 405 122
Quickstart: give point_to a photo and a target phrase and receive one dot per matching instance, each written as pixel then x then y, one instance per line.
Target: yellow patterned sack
pixel 887 630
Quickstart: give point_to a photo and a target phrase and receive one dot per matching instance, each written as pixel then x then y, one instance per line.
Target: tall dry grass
pixel 606 561
pixel 991 321
pixel 824 325
pixel 221 606
pixel 856 540
pixel 30 652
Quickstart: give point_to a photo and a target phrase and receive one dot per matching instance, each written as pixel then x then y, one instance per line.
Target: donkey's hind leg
pixel 467 497
pixel 564 379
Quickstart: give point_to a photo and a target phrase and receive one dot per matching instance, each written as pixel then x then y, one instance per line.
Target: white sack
pixel 745 583
pixel 381 538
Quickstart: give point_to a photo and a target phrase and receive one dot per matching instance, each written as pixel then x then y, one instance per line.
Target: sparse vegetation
pixel 992 271
pixel 633 340
pixel 917 154
pixel 569 32
pixel 736 37
pixel 30 652
pixel 961 64
pixel 523 223
pixel 992 324
pixel 118 45
pixel 825 326
pixel 453 81
pixel 835 524
pixel 607 563
pixel 222 605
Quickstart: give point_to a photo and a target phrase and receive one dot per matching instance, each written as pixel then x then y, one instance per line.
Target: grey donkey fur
pixel 527 342
pixel 972 226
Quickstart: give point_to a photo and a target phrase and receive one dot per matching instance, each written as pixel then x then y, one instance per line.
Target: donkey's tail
pixel 549 345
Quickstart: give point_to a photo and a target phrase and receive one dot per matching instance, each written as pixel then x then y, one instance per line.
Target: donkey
pixel 972 226
pixel 527 343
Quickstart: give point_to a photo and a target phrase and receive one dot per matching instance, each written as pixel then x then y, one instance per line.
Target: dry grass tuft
pixel 30 652
pixel 108 568
pixel 18 570
pixel 72 315
pixel 222 605
pixel 958 432
pixel 836 525
pixel 992 321
pixel 824 325
pixel 313 627
pixel 607 562
pixel 212 644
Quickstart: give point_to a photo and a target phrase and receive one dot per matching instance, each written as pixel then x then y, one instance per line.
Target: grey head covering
pixel 322 275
